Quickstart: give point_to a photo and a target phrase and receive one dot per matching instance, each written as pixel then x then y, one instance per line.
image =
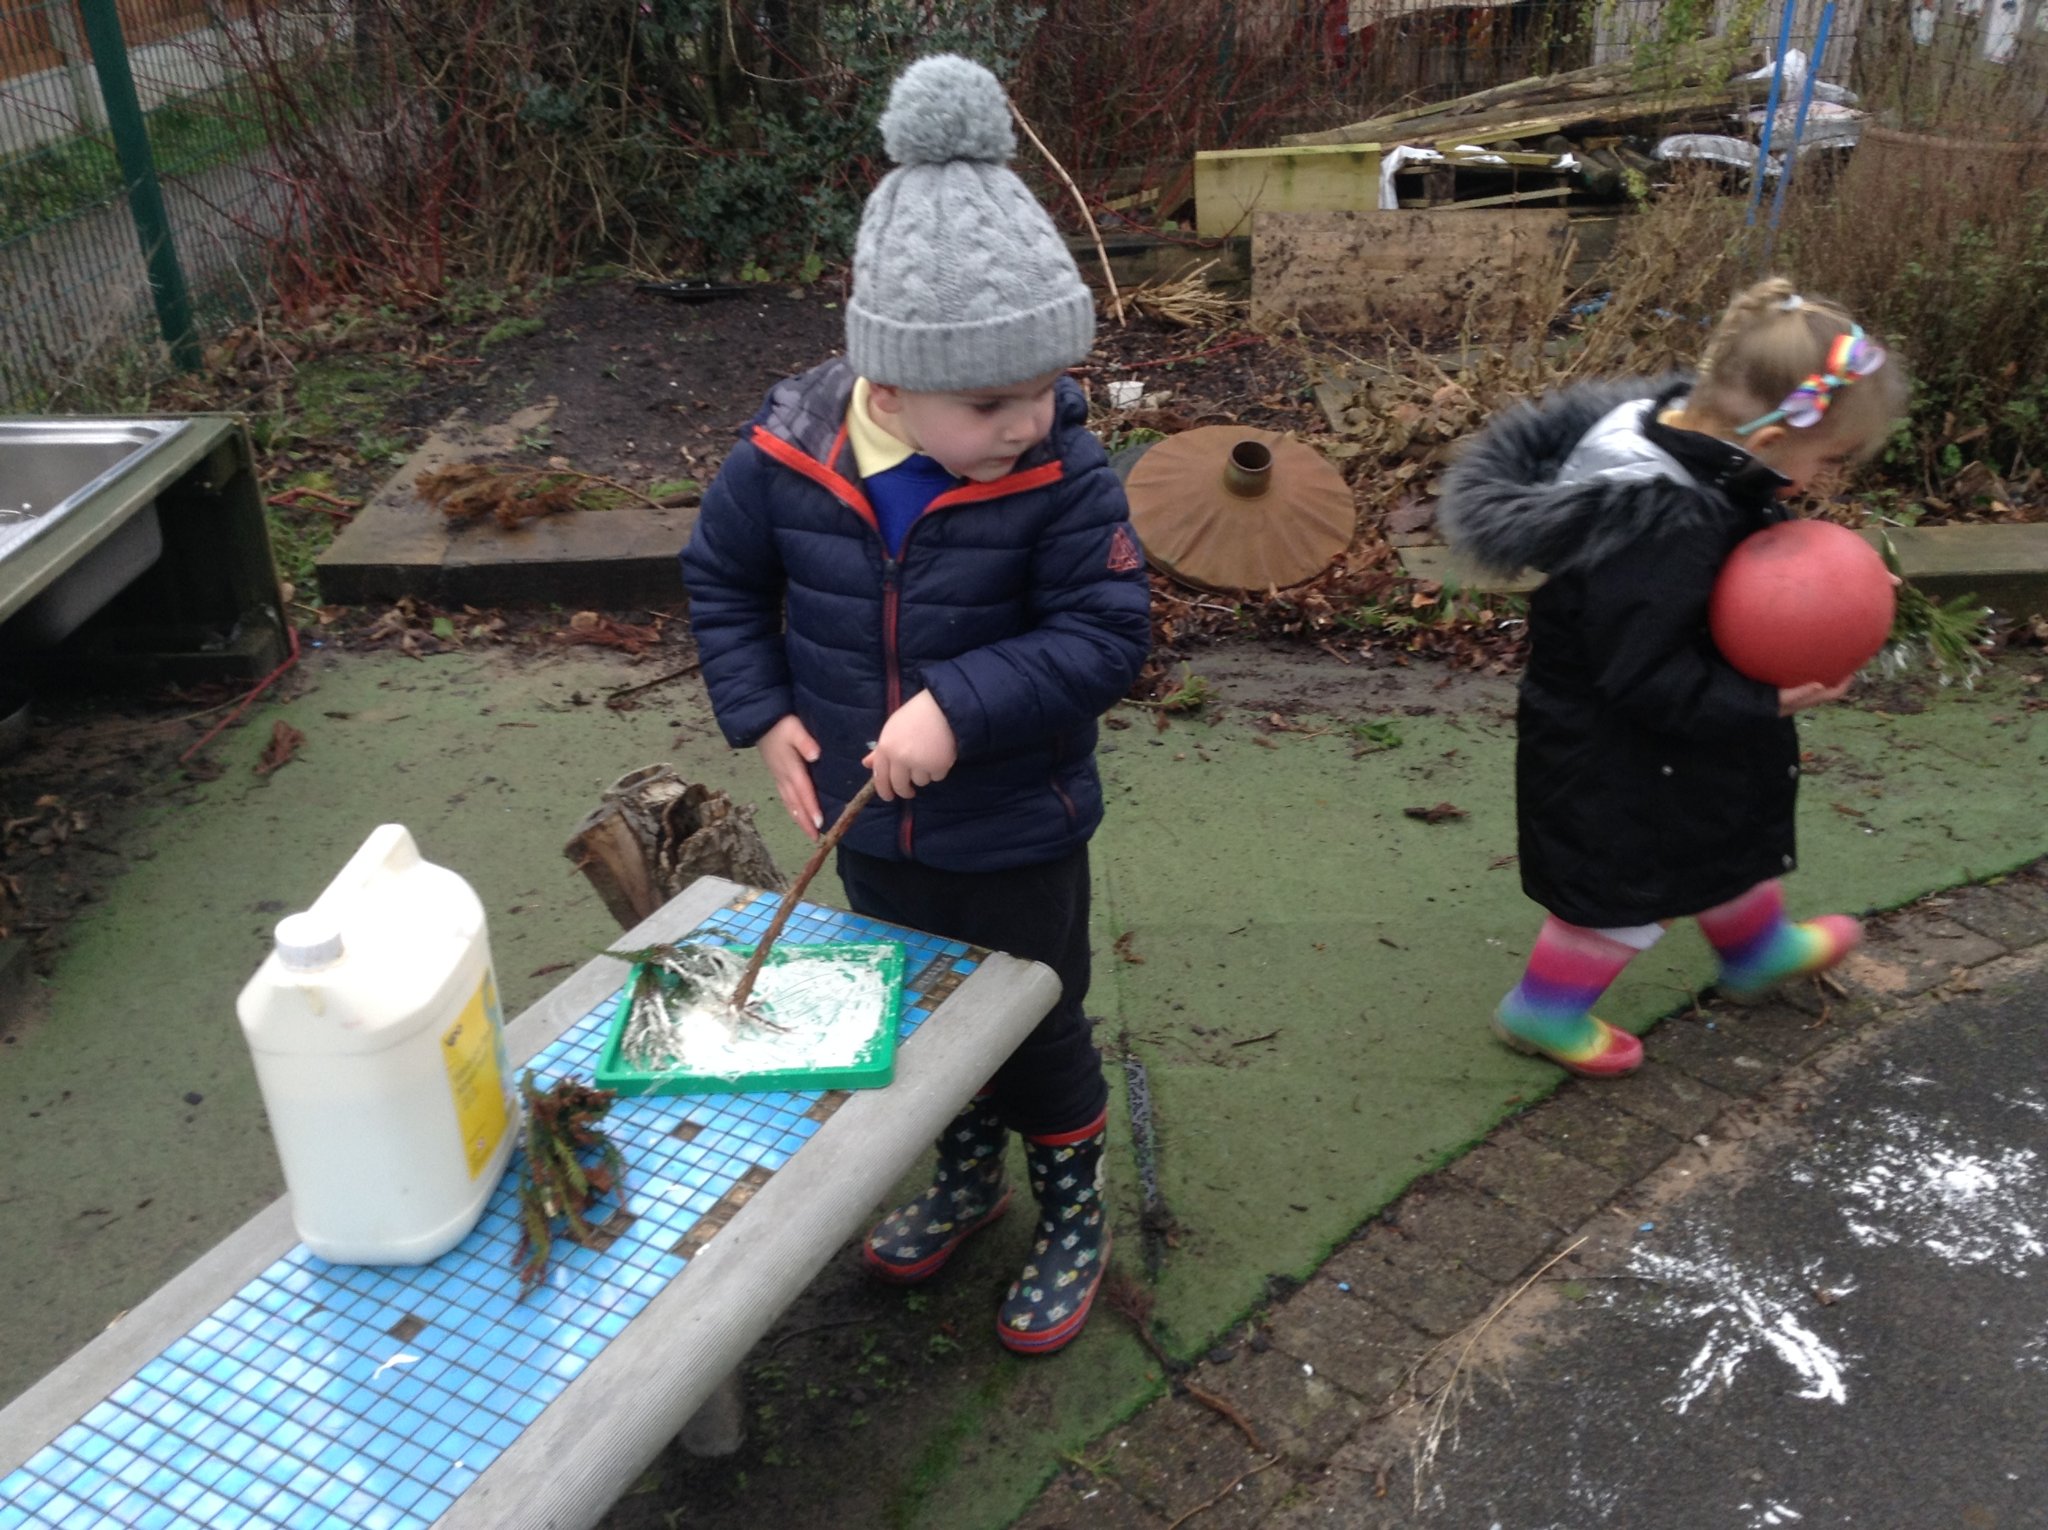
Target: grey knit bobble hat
pixel 960 280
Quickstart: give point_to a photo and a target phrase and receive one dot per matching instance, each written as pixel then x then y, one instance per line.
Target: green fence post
pixel 138 169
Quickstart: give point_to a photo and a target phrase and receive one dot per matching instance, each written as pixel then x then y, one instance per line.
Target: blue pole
pixel 1820 48
pixel 1763 148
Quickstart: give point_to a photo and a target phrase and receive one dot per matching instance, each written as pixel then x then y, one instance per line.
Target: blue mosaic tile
pixel 291 1405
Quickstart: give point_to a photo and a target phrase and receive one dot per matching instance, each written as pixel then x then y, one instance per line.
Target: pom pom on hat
pixel 945 108
pixel 960 279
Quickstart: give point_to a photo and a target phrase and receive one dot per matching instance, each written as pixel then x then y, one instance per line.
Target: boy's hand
pixel 1797 698
pixel 788 749
pixel 916 748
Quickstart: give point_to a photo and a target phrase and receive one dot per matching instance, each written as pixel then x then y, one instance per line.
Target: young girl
pixel 1653 781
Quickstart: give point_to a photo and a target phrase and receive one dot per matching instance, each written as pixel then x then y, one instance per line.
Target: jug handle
pixel 389 850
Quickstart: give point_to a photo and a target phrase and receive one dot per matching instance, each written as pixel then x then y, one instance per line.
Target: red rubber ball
pixel 1801 601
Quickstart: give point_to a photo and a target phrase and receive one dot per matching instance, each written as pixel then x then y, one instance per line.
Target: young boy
pixel 918 565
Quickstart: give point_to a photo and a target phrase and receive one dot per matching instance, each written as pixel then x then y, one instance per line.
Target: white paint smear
pixel 1745 1312
pixel 829 1005
pixel 2033 1355
pixel 2027 1099
pixel 1768 1514
pixel 1907 1180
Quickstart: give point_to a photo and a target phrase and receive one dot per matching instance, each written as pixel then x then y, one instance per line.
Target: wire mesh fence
pixel 85 258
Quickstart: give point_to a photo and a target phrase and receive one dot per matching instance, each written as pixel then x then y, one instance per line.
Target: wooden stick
pixel 610 483
pixel 744 989
pixel 1116 302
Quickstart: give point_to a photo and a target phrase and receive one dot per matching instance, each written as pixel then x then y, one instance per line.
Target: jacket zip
pixel 892 602
pixel 892 596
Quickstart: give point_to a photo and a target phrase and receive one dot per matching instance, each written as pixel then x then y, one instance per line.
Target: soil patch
pixel 648 387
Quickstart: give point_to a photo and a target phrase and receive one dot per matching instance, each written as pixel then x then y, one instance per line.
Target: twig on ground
pixel 1217 1405
pixel 610 483
pixel 1133 1303
pixel 648 685
pixel 1228 1488
pixel 1433 1432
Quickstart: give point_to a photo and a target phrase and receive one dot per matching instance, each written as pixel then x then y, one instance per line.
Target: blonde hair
pixel 1769 341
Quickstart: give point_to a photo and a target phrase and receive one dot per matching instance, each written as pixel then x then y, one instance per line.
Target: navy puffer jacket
pixel 1020 604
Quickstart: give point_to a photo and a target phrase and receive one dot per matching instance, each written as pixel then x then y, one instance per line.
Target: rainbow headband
pixel 1851 356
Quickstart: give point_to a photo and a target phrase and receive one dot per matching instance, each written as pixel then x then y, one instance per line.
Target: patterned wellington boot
pixel 1048 1304
pixel 1795 951
pixel 1550 1012
pixel 968 1191
pixel 1760 948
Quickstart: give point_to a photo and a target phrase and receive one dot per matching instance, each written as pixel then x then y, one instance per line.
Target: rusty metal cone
pixel 1226 507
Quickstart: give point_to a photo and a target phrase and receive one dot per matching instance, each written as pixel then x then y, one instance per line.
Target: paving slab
pixel 1541 1181
pixel 1299 1414
pixel 1899 959
pixel 1362 1348
pixel 1735 1056
pixel 1669 1097
pixel 1424 1287
pixel 1087 1500
pixel 1482 1231
pixel 2001 911
pixel 398 545
pixel 1178 1456
pixel 1591 1128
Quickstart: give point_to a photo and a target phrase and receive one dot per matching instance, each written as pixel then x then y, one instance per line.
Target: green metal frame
pixel 138 168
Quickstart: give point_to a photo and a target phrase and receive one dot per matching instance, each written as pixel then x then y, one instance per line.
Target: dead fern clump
pixel 468 491
pixel 1188 301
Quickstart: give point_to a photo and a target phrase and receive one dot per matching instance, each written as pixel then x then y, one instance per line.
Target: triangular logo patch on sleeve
pixel 1123 552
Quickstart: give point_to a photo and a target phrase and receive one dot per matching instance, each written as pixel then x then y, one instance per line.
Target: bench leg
pixel 718 1428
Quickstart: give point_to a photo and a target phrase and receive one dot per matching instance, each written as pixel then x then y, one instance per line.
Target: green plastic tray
pixel 873 1066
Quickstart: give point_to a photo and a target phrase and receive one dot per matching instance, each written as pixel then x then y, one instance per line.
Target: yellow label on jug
pixel 470 1048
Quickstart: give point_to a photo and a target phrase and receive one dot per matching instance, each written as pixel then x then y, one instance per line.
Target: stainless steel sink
pixel 69 539
pixel 48 468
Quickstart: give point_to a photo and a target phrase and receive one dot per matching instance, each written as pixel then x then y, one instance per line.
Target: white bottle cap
pixel 308 941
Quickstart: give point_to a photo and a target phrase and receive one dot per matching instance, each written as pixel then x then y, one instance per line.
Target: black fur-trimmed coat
pixel 1652 780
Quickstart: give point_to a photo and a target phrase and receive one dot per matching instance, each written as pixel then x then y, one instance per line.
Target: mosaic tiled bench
pixel 266 1387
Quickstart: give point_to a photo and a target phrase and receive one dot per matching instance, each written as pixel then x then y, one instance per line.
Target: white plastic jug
pixel 380 1051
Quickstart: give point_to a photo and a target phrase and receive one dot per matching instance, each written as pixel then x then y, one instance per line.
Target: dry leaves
pixel 1443 812
pixel 43 829
pixel 602 631
pixel 282 749
pixel 469 490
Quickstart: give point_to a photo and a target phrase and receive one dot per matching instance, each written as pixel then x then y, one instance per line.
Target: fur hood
pixel 1508 503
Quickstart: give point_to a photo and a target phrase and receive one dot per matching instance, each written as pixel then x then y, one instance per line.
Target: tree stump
pixel 654 833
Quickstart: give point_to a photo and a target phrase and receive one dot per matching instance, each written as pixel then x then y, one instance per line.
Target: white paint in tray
pixel 829 1005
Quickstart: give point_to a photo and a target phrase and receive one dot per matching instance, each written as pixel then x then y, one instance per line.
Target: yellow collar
pixel 874 449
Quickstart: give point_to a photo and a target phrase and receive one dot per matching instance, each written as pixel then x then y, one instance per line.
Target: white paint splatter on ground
pixel 2027 1099
pixel 1747 1311
pixel 1904 1181
pixel 2033 1355
pixel 1769 1514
